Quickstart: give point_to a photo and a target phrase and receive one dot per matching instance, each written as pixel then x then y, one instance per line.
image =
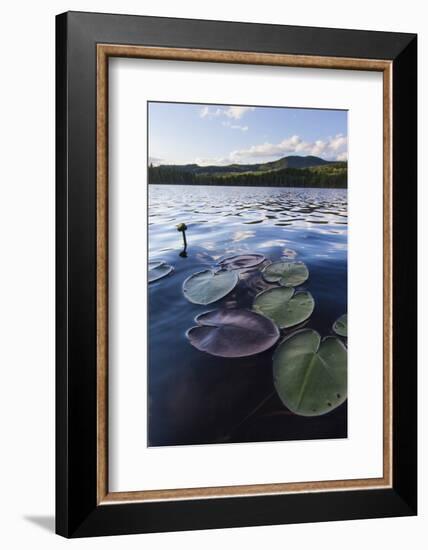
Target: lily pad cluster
pixel 309 372
pixel 278 304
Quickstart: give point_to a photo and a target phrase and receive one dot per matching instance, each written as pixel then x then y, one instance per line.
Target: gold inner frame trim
pixel 104 51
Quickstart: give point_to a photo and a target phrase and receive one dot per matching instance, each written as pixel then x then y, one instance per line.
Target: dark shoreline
pixel 328 175
pixel 255 185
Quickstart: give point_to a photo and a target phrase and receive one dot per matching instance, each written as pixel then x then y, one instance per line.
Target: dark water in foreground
pixel 196 398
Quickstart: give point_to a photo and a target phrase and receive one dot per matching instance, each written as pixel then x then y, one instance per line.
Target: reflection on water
pixel 197 398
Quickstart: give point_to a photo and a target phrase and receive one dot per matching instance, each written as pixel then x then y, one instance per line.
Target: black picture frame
pixel 77 512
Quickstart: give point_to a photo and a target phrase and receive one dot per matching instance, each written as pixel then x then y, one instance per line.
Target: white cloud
pixel 332 148
pixel 234 111
pixel 237 112
pixel 204 112
pixel 338 142
pixel 212 161
pixel 207 112
pixel 156 161
pixel 234 126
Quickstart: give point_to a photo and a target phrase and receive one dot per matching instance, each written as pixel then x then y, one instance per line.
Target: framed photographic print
pixel 236 242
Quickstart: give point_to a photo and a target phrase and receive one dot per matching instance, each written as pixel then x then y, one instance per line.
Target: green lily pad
pixel 286 273
pixel 242 261
pixel 310 375
pixel 158 269
pixel 340 326
pixel 206 287
pixel 232 333
pixel 284 307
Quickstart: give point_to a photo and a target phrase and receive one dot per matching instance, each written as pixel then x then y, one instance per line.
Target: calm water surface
pixel 196 398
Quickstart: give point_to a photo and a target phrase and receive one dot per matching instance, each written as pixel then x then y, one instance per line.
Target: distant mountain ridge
pixel 292 161
pixel 290 171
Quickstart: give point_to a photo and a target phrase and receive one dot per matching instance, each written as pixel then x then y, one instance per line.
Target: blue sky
pixel 181 133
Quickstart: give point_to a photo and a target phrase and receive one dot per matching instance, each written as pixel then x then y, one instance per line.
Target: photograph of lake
pixel 247 274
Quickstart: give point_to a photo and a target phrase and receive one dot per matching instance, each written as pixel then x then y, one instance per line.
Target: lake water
pixel 196 398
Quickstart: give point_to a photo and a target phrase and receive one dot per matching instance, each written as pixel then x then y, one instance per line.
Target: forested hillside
pixel 286 172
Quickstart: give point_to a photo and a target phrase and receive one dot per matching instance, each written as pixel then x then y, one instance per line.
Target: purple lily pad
pixel 242 261
pixel 232 333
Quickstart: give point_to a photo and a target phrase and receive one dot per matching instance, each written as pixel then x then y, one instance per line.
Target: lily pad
pixel 158 269
pixel 284 307
pixel 242 261
pixel 310 375
pixel 206 287
pixel 232 333
pixel 286 273
pixel 340 326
